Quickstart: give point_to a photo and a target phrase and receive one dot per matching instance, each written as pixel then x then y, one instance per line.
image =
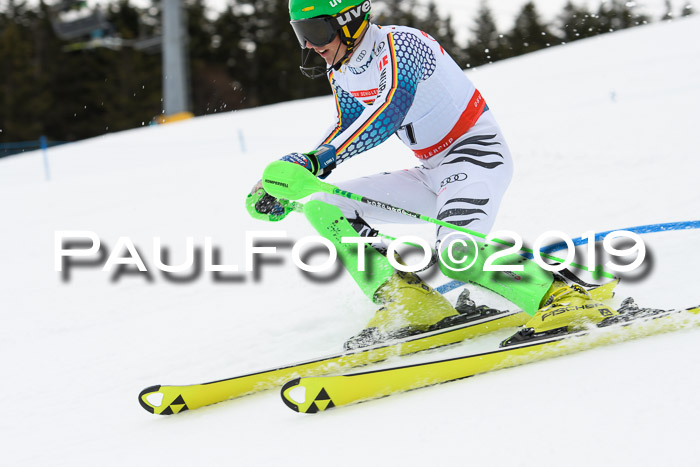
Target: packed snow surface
pixel 604 134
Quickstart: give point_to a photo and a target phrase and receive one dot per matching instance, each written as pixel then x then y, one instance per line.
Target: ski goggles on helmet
pixel 317 31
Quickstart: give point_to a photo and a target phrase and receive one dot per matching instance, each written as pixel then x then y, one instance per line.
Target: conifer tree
pixel 487 44
pixel 529 33
pixel 615 15
pixel 229 53
pixel 577 23
pixel 399 12
pixel 687 9
pixel 23 86
pixel 668 15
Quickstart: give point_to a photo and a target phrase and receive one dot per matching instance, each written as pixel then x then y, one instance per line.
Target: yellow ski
pixel 167 400
pixel 315 394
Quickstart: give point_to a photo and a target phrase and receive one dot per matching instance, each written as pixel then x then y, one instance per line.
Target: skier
pixel 398 80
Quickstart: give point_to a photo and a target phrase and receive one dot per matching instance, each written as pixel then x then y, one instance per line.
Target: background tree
pixel 577 23
pixel 102 89
pixel 420 16
pixel 487 44
pixel 668 15
pixel 687 9
pixel 529 33
pixel 230 55
pixel 23 81
pixel 614 15
pixel 401 12
pixel 273 56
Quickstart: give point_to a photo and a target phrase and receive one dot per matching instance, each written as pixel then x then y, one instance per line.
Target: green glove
pixel 261 205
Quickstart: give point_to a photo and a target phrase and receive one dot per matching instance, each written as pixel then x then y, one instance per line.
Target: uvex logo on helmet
pixel 353 13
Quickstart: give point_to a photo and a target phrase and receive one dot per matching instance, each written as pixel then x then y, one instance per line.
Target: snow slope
pixel 604 135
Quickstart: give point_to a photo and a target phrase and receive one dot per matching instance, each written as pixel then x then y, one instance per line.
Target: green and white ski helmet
pixel 318 21
pixel 305 9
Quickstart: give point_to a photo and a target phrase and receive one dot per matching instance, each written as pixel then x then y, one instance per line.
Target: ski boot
pixel 410 306
pixel 566 308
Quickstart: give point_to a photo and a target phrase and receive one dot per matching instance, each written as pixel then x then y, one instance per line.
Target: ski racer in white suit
pixel 398 80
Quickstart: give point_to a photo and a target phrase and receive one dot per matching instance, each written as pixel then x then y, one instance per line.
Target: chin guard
pixel 313 72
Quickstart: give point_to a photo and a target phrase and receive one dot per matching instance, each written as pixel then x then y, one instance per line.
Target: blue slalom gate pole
pixel 44 146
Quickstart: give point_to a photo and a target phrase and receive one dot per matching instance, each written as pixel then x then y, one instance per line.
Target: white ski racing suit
pixel 399 80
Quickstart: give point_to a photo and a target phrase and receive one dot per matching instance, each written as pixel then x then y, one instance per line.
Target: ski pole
pixel 296 206
pixel 291 181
